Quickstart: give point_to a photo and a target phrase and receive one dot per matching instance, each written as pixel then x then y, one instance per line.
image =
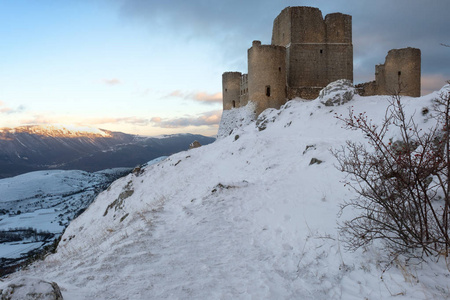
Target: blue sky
pixel 154 67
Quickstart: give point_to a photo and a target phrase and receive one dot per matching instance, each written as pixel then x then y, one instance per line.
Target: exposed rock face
pixel 31 289
pixel 337 93
pixel 194 144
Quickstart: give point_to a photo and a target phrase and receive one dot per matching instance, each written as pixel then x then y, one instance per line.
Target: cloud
pixel 118 120
pixel 208 98
pixel 211 118
pixel 378 26
pixel 113 81
pixel 202 97
pixel 41 119
pixel 8 110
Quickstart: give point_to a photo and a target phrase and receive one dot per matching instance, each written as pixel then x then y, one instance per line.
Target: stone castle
pixel 306 54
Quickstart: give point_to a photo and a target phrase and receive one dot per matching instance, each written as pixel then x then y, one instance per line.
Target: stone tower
pixel 400 73
pixel 319 51
pixel 266 76
pixel 231 86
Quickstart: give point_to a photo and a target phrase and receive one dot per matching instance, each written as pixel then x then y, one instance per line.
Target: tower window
pixel 234 103
pixel 268 90
pixel 321 50
pixel 279 69
pixel 399 73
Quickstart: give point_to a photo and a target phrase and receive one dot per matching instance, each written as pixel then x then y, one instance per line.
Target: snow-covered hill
pixel 36 207
pixel 250 216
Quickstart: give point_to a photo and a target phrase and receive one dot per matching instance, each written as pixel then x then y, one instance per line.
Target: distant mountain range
pixel 30 148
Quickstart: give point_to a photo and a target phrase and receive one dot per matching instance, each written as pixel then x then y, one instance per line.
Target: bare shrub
pixel 402 186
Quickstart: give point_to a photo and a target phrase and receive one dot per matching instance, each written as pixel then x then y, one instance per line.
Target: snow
pixel 247 217
pixel 46 201
pixel 40 183
pixel 60 130
pixel 235 118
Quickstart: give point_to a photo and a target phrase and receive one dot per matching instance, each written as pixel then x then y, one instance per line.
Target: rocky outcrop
pixel 337 93
pixel 31 289
pixel 195 144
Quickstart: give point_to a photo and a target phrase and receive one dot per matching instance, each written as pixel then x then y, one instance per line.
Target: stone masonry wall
pixel 231 86
pixel 402 72
pixel 266 76
pixel 319 51
pixel 244 90
pixel 399 74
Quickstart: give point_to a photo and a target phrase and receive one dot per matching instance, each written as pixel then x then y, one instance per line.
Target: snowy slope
pixel 246 217
pixel 44 202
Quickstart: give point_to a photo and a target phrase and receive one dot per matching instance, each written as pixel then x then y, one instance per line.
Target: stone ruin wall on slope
pixel 400 74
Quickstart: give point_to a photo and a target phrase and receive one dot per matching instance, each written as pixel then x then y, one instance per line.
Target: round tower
pixel 231 88
pixel 266 76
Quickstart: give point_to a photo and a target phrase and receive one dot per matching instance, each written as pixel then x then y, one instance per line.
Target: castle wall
pixel 380 81
pixel 402 72
pixel 307 53
pixel 266 76
pixel 367 88
pixel 231 87
pixel 319 51
pixel 243 99
pixel 281 33
pixel 307 25
pixel 338 28
pixel 399 74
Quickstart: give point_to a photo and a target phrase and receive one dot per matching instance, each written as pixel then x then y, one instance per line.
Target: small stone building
pixel 307 53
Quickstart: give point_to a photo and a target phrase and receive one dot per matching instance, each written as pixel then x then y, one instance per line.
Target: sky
pixel 155 67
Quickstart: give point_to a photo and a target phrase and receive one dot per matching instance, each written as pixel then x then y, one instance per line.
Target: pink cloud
pixel 203 97
pixel 211 118
pixel 433 82
pixel 113 81
pixel 8 110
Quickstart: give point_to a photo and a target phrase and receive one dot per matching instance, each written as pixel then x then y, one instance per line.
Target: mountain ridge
pixel 32 148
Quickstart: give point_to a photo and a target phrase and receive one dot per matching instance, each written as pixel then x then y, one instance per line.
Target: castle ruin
pixel 400 73
pixel 307 53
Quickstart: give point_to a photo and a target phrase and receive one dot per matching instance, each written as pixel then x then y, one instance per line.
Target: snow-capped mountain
pixel 251 216
pixel 30 148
